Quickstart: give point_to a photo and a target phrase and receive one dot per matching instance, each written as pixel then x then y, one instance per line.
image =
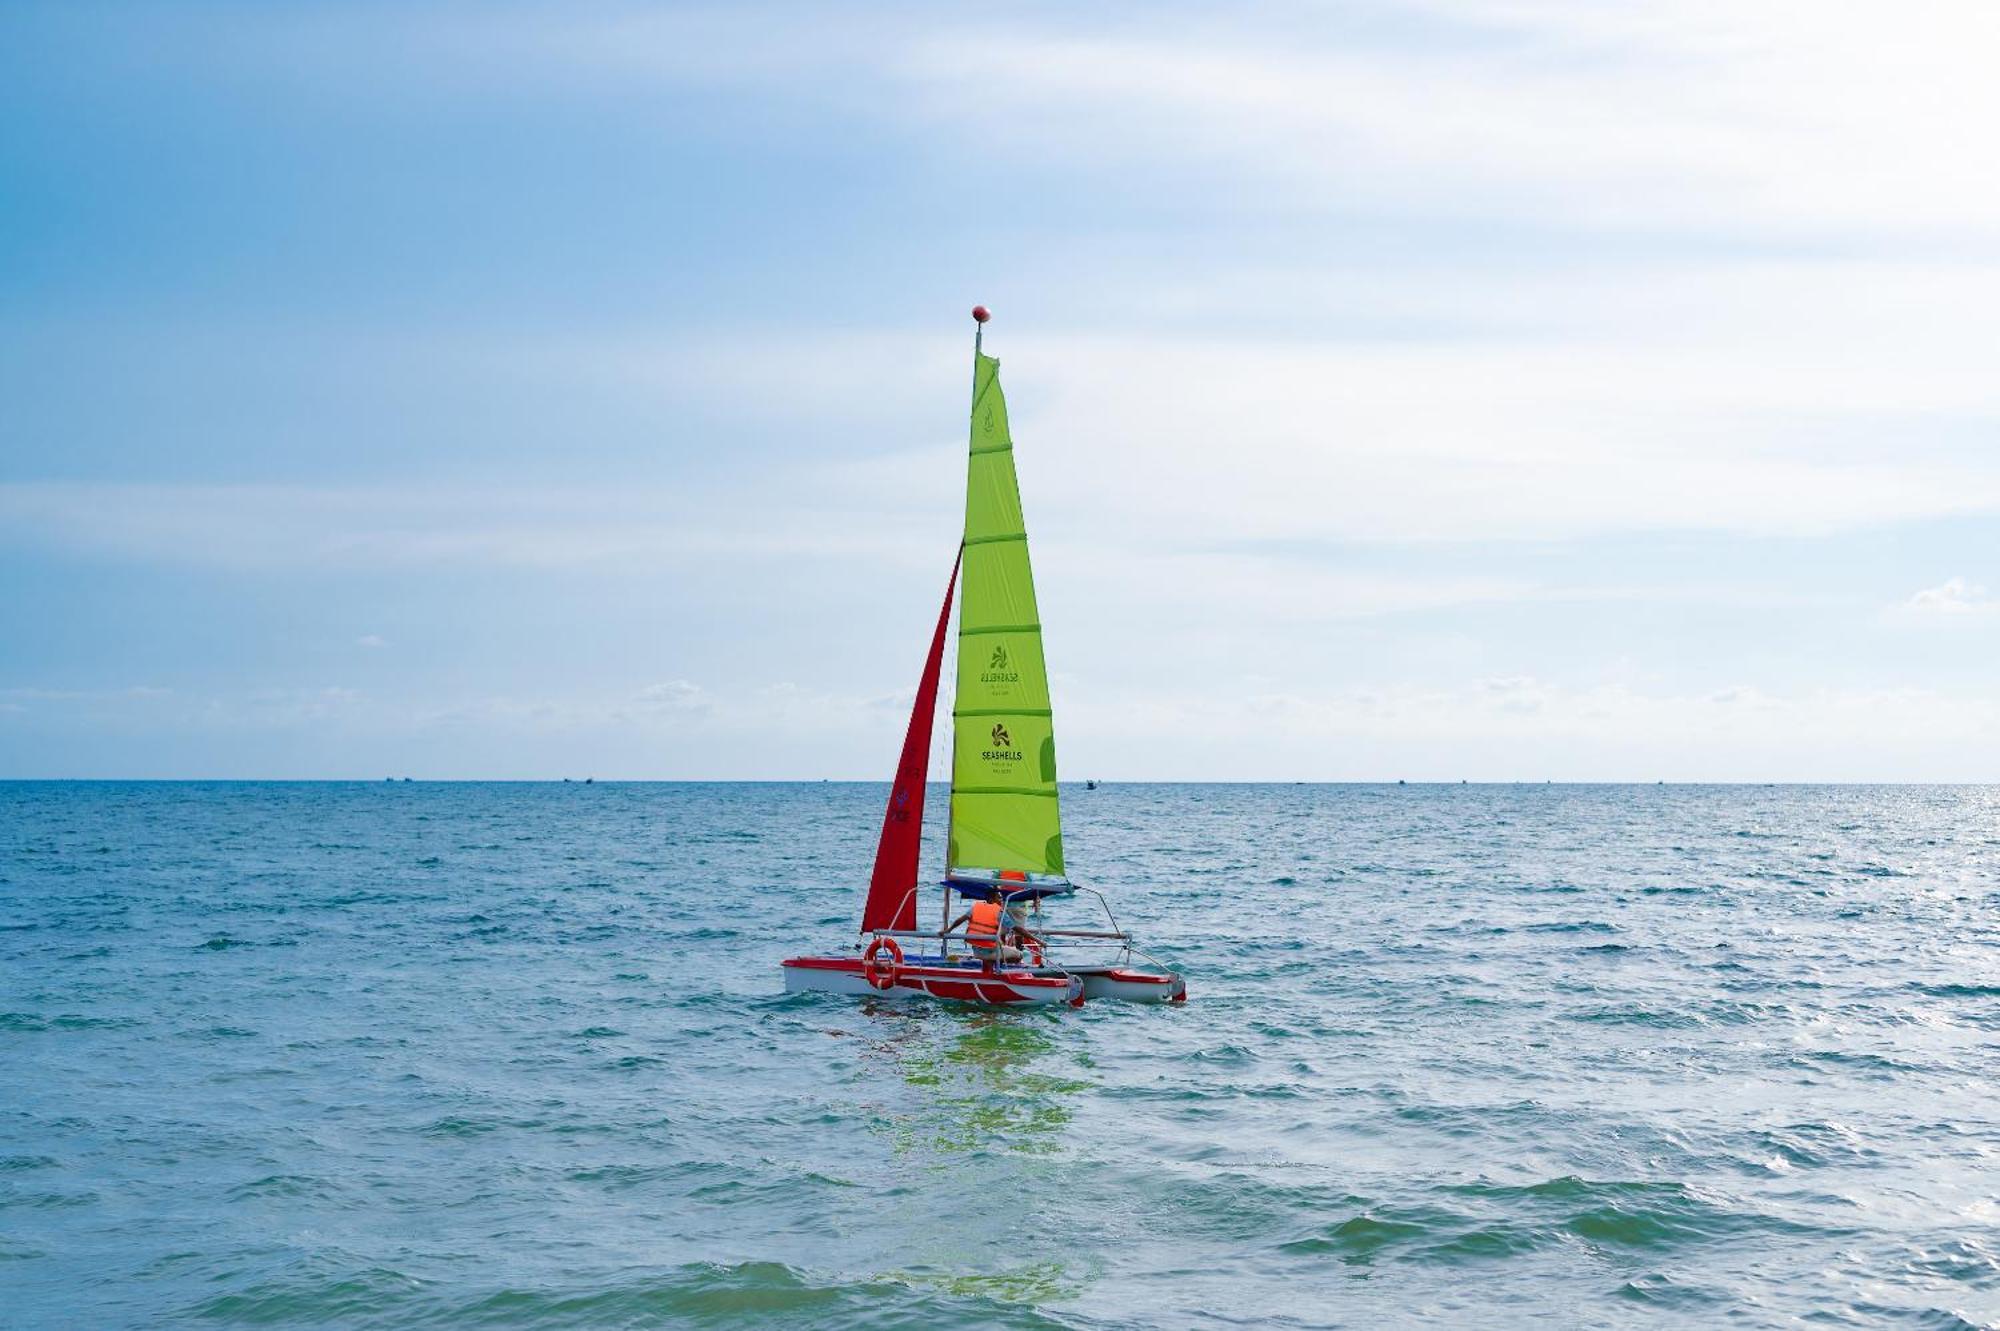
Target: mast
pixel 980 314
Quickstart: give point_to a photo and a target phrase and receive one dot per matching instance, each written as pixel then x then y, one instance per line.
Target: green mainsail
pixel 1004 812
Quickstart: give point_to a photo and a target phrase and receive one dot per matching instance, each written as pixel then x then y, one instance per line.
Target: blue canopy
pixel 979 882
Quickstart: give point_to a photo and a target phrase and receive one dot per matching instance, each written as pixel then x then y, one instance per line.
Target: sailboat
pixel 1005 833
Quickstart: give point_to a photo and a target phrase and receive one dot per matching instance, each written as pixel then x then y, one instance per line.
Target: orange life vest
pixel 984 928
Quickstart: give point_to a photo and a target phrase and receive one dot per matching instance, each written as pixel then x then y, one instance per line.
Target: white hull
pixel 1132 986
pixel 798 981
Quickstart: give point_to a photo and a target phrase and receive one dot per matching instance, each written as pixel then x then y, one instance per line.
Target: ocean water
pixel 518 1055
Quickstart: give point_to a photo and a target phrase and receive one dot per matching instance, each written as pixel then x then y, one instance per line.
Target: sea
pixel 411 1054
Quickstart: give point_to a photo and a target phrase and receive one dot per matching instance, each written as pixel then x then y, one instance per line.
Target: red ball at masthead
pixel 980 314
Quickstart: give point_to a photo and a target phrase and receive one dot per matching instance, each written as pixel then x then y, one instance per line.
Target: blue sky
pixel 1490 390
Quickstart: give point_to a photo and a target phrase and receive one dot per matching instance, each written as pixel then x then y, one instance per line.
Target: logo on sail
pixel 997 671
pixel 1003 750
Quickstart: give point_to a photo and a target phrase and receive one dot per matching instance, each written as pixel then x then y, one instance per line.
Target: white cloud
pixel 288 707
pixel 1782 112
pixel 371 640
pixel 253 526
pixel 674 695
pixel 1496 728
pixel 1180 442
pixel 1474 442
pixel 1693 111
pixel 135 693
pixel 1953 596
pixel 1529 729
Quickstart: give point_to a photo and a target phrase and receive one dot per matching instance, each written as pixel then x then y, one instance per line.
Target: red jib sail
pixel 892 897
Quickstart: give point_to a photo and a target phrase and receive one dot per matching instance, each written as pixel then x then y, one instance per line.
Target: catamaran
pixel 1003 849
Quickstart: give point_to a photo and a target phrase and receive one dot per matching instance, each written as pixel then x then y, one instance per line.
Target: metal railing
pixel 1126 952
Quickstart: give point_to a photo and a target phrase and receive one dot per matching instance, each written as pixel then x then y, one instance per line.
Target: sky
pixel 1488 390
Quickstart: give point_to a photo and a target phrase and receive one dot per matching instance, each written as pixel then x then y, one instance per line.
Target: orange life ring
pixel 883 976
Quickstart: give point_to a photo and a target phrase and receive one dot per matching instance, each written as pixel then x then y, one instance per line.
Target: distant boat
pixel 1004 838
pixel 1090 785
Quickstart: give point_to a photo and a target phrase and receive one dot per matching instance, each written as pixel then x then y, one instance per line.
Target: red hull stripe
pixel 958 989
pixel 931 976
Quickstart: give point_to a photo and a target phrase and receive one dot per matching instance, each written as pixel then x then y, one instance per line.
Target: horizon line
pixel 875 781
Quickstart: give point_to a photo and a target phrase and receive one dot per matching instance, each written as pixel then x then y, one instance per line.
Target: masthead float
pixel 1004 852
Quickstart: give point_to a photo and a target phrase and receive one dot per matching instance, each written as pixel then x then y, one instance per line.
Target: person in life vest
pixel 986 929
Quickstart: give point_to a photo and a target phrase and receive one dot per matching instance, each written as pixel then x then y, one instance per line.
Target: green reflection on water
pixel 977 1114
pixel 984 1083
pixel 1036 1283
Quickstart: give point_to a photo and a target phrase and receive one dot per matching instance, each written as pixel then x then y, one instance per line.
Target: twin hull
pixel 969 982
